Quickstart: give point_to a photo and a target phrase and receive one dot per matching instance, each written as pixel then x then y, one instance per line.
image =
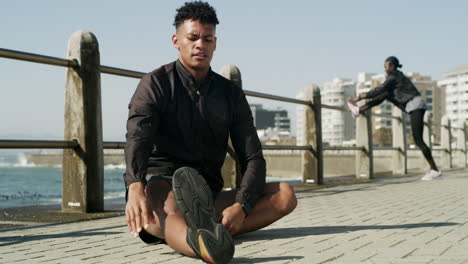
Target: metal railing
pixel 74 145
pixel 54 144
pixel 38 144
pixel 332 148
pixel 42 59
pixel 72 63
pixel 316 148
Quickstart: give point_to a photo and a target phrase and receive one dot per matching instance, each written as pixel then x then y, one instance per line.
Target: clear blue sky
pixel 279 46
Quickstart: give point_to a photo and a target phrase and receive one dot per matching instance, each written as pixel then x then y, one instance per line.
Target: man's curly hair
pixel 196 10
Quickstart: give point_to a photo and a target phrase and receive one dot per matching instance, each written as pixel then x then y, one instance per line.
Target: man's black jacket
pixel 174 122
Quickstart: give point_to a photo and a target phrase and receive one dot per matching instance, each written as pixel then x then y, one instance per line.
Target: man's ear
pixel 175 41
pixel 215 41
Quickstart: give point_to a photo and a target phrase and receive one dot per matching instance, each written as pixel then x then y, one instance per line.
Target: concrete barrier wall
pixel 54 159
pixel 279 164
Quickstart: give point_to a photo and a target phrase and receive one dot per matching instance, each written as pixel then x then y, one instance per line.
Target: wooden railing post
pixel 317 105
pixel 464 138
pixel 83 172
pixel 399 161
pixel 461 145
pixel 364 158
pixel 446 139
pixel 231 168
pixel 312 161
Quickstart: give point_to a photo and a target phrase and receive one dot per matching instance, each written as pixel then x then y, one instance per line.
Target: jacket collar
pixel 189 82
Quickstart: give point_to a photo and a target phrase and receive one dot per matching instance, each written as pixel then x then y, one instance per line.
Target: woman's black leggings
pixel 417 126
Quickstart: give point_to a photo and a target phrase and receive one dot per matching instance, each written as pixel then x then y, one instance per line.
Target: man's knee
pixel 287 201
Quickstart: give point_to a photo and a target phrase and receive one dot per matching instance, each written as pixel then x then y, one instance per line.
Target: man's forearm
pixel 253 183
pixel 136 159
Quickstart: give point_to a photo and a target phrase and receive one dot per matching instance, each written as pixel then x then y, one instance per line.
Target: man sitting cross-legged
pixel 180 119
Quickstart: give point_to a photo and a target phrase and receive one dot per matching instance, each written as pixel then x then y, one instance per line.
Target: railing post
pixel 399 161
pixel 364 158
pixel 461 145
pixel 427 134
pixel 464 138
pixel 446 139
pixel 83 172
pixel 317 105
pixel 405 141
pixel 312 161
pixel 231 169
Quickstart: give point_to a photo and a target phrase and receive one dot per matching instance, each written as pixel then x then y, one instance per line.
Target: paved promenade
pixel 390 220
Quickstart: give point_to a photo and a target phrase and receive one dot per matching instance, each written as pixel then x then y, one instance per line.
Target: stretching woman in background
pixel 399 90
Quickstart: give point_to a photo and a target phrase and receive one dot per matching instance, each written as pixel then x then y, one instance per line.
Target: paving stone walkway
pixel 390 220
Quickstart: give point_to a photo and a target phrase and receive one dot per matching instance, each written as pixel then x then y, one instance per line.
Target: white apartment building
pixel 455 85
pixel 434 97
pixel 337 126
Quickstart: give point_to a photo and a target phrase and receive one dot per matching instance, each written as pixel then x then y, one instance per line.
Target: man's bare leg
pixel 279 200
pixel 170 223
pixel 176 229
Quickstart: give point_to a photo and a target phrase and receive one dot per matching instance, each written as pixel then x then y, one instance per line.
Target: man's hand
pixel 137 210
pixel 233 217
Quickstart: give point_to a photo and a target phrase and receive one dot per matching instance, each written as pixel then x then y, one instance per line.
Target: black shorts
pixel 145 236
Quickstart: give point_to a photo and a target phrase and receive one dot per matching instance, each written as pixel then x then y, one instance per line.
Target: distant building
pixel 277 120
pixel 434 97
pixel 271 136
pixel 455 86
pixel 337 126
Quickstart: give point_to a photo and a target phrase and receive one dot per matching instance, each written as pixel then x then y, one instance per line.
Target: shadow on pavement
pixel 11 240
pixel 284 233
pixel 266 259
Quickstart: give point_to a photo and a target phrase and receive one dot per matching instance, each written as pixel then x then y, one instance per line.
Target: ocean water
pixel 24 184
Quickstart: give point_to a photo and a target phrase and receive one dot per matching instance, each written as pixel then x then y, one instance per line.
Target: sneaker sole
pixel 208 238
pixel 431 179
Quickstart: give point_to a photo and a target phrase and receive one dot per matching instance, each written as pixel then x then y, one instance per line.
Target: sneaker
pixel 432 175
pixel 205 235
pixel 353 108
pixel 426 175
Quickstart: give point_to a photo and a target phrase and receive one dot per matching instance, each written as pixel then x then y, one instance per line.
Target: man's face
pixel 389 68
pixel 196 43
